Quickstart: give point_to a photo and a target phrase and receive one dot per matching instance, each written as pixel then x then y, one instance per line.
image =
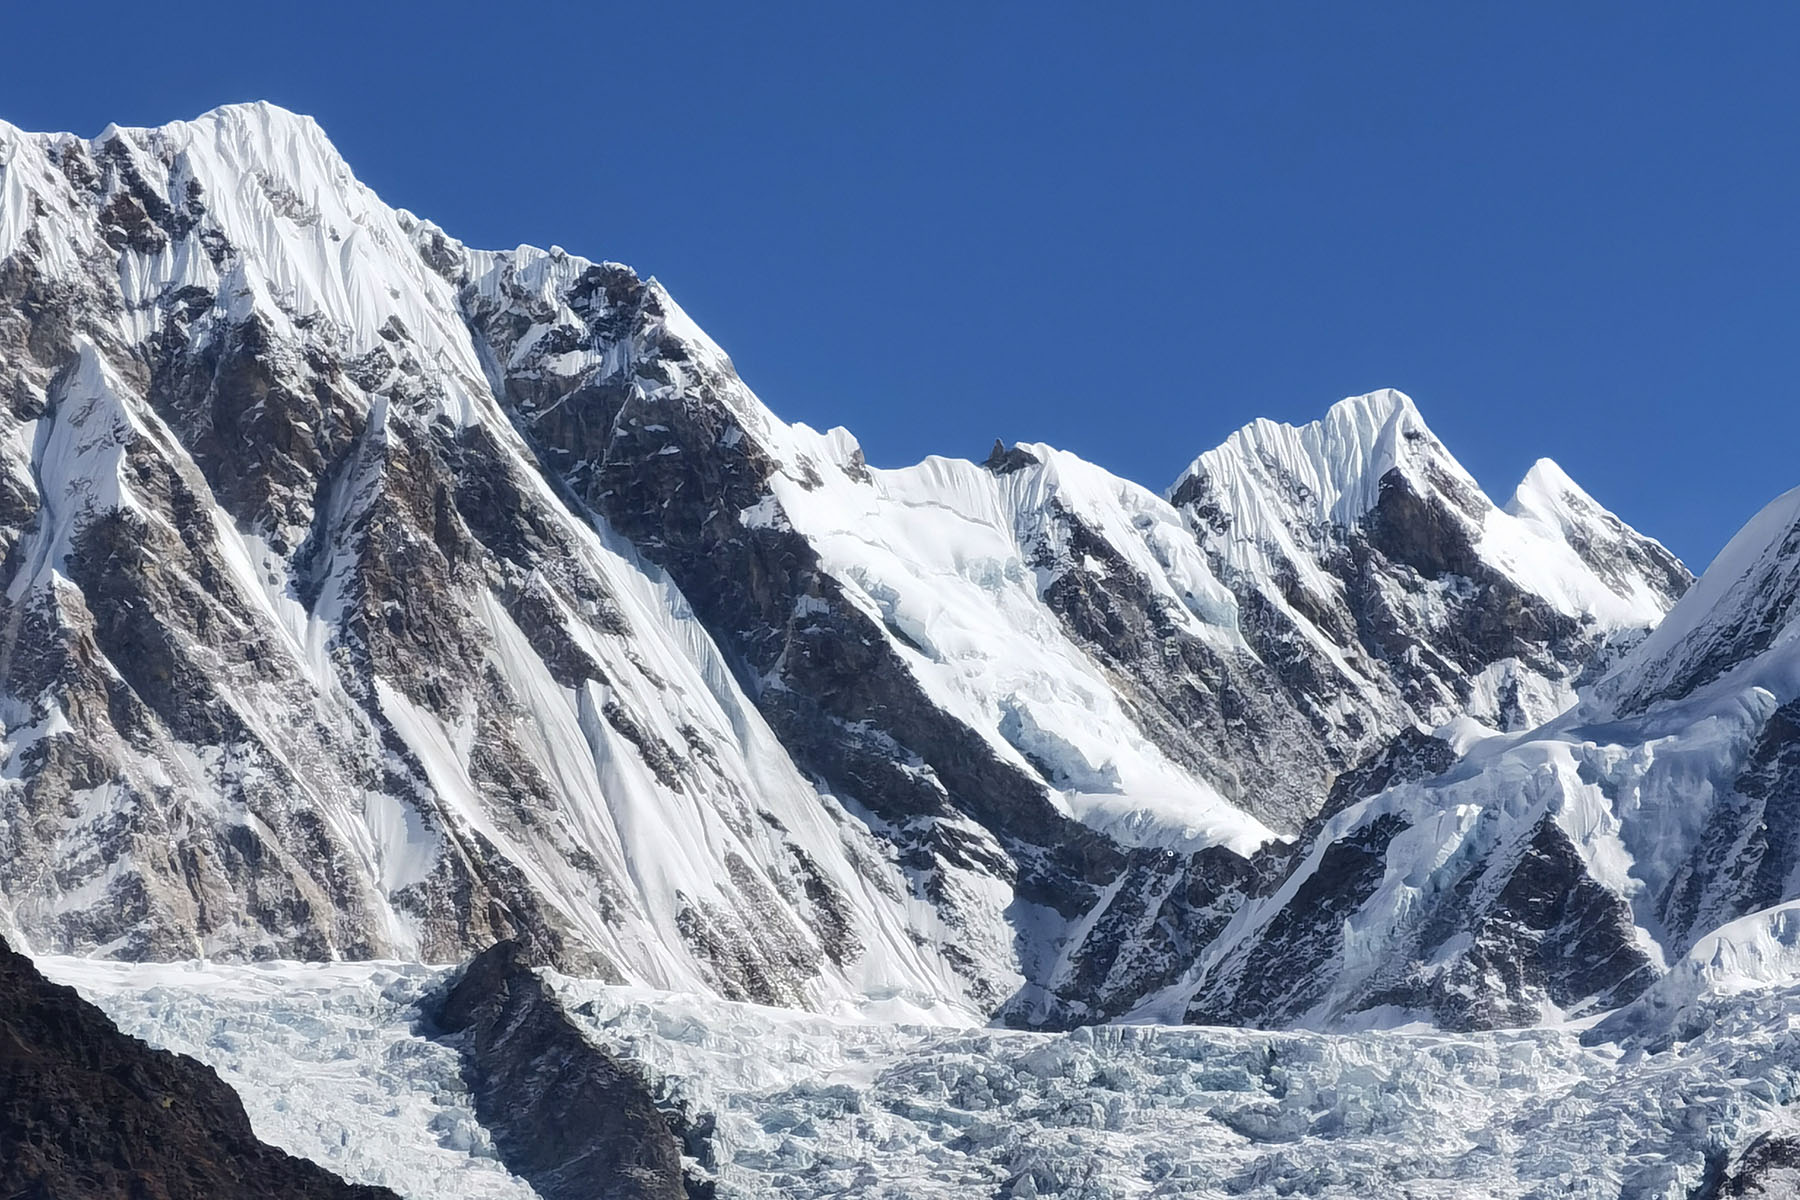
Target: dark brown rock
pixel 88 1113
pixel 566 1116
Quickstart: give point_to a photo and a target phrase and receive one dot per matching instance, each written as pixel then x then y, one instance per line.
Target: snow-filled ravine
pixel 331 1065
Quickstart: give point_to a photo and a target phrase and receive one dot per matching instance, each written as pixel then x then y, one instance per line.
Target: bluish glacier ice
pixel 808 1107
pixel 332 1065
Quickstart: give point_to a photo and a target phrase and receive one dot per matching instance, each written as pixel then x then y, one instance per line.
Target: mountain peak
pixel 242 115
pixel 1328 471
pixel 1746 603
pixel 1548 492
pixel 260 111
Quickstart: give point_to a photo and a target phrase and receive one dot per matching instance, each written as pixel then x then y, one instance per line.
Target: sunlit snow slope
pixel 367 599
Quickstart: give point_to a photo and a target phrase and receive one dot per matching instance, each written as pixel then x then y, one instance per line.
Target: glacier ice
pixel 901 1104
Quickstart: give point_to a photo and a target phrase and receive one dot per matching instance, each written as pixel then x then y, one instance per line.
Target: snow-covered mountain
pixel 1559 871
pixel 367 600
pixel 368 595
pixel 1381 581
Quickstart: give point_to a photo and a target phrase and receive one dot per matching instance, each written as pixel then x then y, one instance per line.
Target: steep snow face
pixel 898 630
pixel 1279 489
pixel 332 1065
pixel 1756 955
pixel 961 564
pixel 1276 484
pixel 1736 626
pixel 1641 578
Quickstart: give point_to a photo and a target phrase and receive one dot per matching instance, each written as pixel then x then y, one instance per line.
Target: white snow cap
pixel 1330 469
pixel 1548 494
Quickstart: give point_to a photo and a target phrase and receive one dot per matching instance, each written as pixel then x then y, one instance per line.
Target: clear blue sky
pixel 1565 229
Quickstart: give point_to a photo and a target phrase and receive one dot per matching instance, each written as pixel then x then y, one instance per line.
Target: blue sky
pixel 1564 229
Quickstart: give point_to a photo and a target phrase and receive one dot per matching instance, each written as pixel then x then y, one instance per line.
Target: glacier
pixel 331 1065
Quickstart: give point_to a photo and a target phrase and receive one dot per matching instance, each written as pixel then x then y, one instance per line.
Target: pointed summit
pixel 1279 489
pixel 1633 567
pixel 1547 494
pixel 1331 469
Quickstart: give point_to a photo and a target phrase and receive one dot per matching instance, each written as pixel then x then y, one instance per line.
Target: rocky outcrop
pixel 86 1111
pixel 566 1116
pixel 1275 978
pixel 1532 930
pixel 1495 938
pixel 1767 1167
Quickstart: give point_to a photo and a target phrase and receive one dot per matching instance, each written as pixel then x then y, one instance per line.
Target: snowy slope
pixel 1737 622
pixel 1563 869
pixel 369 598
pixel 306 656
pixel 372 595
pixel 1371 568
pixel 957 560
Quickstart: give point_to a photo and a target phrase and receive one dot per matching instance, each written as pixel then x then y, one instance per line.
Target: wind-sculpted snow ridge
pixel 333 1065
pixel 1559 872
pixel 369 595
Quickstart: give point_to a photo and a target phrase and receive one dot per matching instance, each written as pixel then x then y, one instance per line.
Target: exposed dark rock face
pixel 88 1113
pixel 1166 910
pixel 1489 619
pixel 1768 1167
pixel 1411 756
pixel 1217 712
pixel 1512 928
pixel 1002 460
pixel 1550 932
pixel 565 1115
pixel 1276 978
